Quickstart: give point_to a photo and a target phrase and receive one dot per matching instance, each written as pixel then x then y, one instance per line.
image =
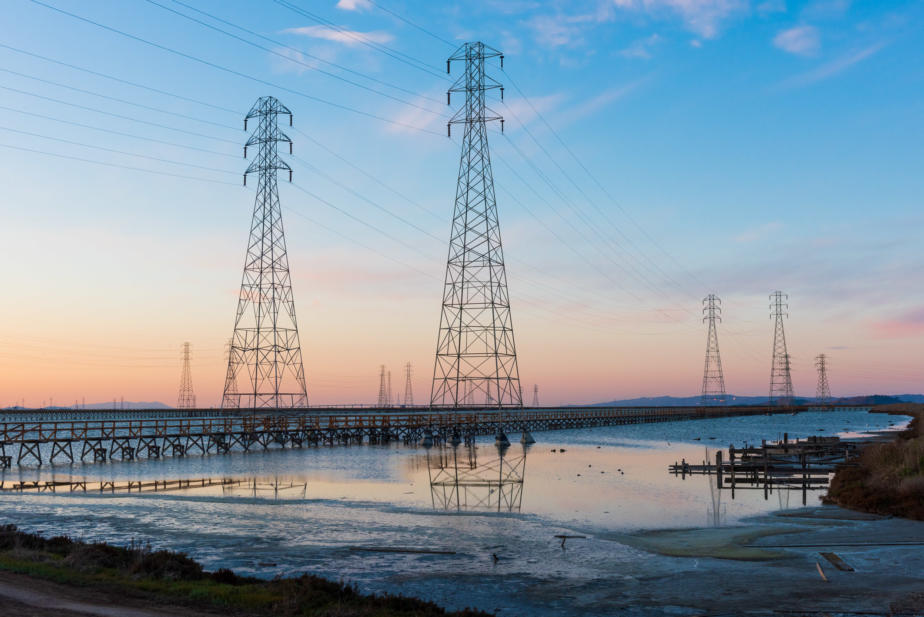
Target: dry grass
pixel 889 478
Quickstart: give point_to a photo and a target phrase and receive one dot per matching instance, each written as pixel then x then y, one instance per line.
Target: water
pixel 292 511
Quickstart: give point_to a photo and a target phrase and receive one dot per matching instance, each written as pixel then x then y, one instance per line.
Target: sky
pixel 654 151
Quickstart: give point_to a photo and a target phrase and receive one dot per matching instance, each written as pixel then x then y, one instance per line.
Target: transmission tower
pixel 408 388
pixel 266 357
pixel 535 395
pixel 383 389
pixel 476 356
pixel 823 391
pixel 713 392
pixel 186 399
pixel 780 377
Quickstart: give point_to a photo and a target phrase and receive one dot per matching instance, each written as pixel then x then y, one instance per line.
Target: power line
pixel 388 51
pixel 119 133
pixel 117 100
pixel 117 79
pixel 128 167
pixel 104 149
pixel 232 71
pixel 114 115
pixel 301 52
pixel 412 24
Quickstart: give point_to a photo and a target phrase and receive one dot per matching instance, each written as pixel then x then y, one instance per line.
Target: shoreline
pixel 888 478
pixel 62 576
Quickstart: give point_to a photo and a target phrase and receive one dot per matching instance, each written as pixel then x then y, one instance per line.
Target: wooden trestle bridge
pixel 130 435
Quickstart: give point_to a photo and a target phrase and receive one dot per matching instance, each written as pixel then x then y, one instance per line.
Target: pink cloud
pixel 906 325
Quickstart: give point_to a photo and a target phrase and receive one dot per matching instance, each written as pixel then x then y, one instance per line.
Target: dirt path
pixel 27 597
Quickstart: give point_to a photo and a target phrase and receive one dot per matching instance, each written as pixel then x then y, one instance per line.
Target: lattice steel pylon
pixel 713 391
pixel 408 386
pixel 186 398
pixel 823 391
pixel 535 395
pixel 476 358
pixel 382 400
pixel 265 362
pixel 780 377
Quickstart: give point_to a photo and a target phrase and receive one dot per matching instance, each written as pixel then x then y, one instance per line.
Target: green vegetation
pixel 165 577
pixel 889 477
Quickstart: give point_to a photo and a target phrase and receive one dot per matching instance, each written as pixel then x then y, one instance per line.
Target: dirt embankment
pixel 889 477
pixel 95 579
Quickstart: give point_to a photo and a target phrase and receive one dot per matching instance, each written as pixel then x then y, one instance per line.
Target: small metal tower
pixel 535 395
pixel 186 399
pixel 823 391
pixel 476 358
pixel 383 389
pixel 780 377
pixel 265 365
pixel 713 392
pixel 408 388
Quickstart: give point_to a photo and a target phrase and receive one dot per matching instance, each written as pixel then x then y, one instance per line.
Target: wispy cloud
pixel 641 48
pixel 832 68
pixel 799 40
pixel 910 323
pixel 342 35
pixel 704 17
pixel 598 102
pixel 354 5
pixel 756 233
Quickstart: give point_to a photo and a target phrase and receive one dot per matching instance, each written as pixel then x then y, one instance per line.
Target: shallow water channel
pixel 426 521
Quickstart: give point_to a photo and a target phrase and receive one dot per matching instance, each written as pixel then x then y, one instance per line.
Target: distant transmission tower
pixel 535 395
pixel 713 392
pixel 408 388
pixel 383 389
pixel 186 399
pixel 476 358
pixel 265 363
pixel 823 391
pixel 780 377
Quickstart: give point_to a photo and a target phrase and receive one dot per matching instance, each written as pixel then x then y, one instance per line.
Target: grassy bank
pixel 889 477
pixel 153 578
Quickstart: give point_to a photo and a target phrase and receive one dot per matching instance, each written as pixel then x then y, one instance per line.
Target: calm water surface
pixel 292 511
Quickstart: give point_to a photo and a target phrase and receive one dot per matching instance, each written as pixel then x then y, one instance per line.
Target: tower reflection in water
pixel 459 480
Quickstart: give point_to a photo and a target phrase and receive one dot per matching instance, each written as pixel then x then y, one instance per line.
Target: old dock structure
pixel 129 435
pixel 788 465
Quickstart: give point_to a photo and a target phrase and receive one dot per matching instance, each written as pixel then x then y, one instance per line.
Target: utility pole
pixel 823 391
pixel 780 375
pixel 475 353
pixel 713 391
pixel 408 387
pixel 266 356
pixel 186 398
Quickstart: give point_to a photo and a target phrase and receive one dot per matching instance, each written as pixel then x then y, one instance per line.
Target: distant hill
pixel 689 401
pixel 109 405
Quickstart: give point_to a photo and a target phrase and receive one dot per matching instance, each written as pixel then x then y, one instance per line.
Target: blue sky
pixel 731 147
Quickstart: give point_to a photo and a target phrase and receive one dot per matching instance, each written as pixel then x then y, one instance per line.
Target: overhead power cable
pixel 114 115
pixel 301 52
pixel 119 133
pixel 116 165
pixel 413 25
pixel 231 71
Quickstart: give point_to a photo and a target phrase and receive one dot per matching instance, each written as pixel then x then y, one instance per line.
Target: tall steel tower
pixel 780 377
pixel 713 392
pixel 382 400
pixel 476 358
pixel 265 363
pixel 408 387
pixel 186 398
pixel 535 395
pixel 823 391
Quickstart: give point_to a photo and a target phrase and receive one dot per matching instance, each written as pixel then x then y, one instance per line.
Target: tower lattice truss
pixel 780 375
pixel 476 358
pixel 713 392
pixel 186 398
pixel 265 362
